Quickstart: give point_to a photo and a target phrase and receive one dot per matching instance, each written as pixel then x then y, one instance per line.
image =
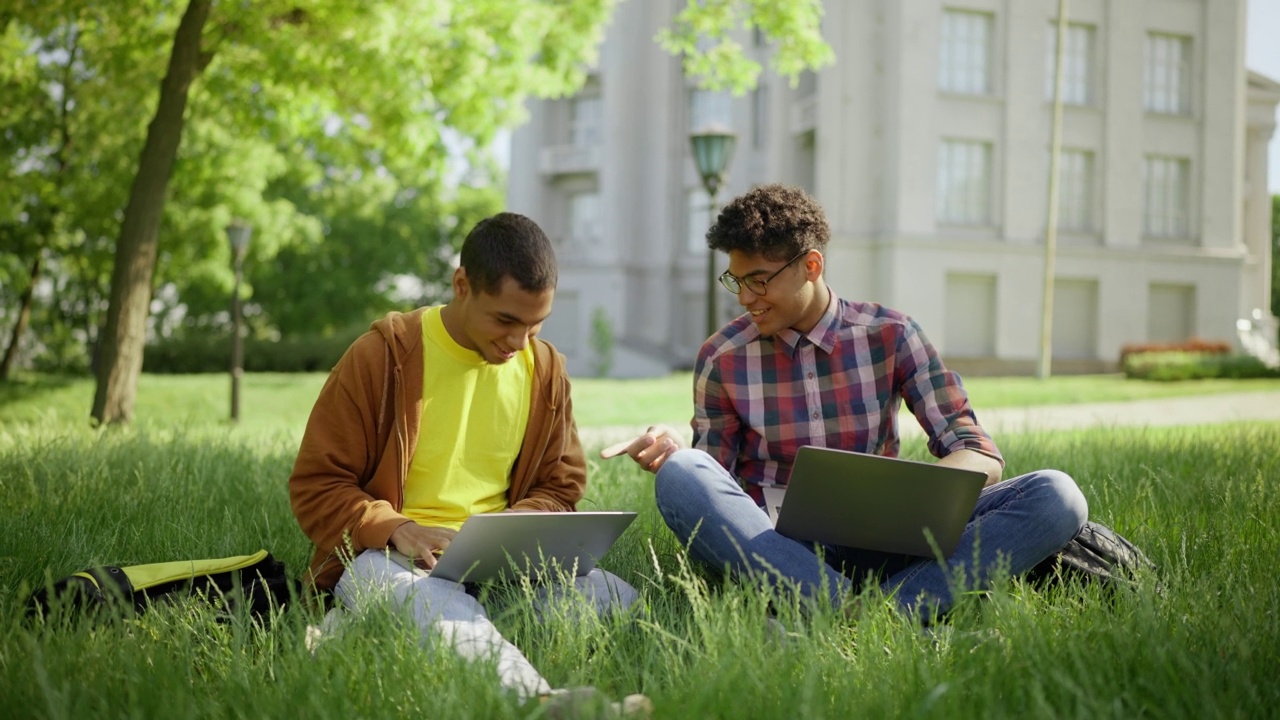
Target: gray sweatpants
pixel 444 607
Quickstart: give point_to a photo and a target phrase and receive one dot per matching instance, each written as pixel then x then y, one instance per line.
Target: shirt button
pixel 810 376
pixel 816 416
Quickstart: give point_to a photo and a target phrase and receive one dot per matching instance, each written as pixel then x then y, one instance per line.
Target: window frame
pixel 1166 82
pixel 1079 77
pixel 966 64
pixel 1166 209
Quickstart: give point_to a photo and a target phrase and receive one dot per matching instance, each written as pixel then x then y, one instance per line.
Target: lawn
pixel 274 403
pixel 1199 638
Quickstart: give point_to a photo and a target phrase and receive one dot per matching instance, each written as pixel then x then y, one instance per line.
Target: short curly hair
pixel 775 221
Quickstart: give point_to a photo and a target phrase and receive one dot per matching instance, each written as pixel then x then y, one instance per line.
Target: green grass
pixel 274 403
pixel 1198 639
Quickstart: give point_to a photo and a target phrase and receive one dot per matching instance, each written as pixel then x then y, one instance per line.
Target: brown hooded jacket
pixel 347 486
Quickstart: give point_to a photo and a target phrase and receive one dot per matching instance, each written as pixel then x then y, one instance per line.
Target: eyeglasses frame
pixel 726 278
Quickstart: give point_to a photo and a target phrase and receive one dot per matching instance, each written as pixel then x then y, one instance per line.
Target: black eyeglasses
pixel 759 286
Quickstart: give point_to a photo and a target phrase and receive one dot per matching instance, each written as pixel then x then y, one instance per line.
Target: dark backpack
pixel 1096 553
pixel 256 583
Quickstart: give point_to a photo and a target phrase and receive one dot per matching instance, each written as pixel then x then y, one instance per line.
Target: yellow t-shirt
pixel 474 416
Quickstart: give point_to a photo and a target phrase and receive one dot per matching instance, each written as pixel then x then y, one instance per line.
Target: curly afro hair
pixel 775 221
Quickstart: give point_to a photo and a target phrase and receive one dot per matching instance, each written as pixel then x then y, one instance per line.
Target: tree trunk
pixel 24 316
pixel 124 335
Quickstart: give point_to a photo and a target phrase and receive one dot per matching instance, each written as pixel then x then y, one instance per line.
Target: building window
pixel 964 65
pixel 584 120
pixel 1077 65
pixel 1168 74
pixel 1167 195
pixel 584 218
pixel 964 182
pixel 697 221
pixel 710 109
pixel 1075 190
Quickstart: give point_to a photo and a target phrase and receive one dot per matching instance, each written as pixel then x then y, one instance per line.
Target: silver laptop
pixel 544 545
pixel 874 502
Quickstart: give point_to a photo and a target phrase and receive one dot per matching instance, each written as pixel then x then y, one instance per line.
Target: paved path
pixel 1190 410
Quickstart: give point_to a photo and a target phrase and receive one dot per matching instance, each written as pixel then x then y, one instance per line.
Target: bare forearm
pixel 974 460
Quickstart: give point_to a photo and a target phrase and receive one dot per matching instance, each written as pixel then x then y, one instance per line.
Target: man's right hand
pixel 421 543
pixel 651 449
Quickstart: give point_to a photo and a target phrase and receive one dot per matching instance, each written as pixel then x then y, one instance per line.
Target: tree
pixel 305 120
pixel 702 35
pixel 380 243
pixel 361 61
pixel 1275 255
pixel 124 336
pixel 62 132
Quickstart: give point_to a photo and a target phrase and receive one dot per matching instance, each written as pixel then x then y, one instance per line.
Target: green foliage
pixel 601 342
pixel 372 231
pixel 211 352
pixel 1198 637
pixel 358 104
pixel 1177 365
pixel 703 35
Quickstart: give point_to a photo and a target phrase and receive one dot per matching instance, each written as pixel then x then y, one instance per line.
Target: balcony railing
pixel 570 159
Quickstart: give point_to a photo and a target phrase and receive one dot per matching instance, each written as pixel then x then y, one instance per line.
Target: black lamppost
pixel 238 233
pixel 712 150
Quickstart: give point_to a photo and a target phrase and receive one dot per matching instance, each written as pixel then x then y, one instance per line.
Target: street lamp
pixel 238 233
pixel 712 150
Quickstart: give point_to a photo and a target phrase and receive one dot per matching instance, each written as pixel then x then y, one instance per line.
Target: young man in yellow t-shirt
pixel 436 415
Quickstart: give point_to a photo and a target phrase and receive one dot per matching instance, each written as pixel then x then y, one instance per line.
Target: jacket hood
pixel 401 331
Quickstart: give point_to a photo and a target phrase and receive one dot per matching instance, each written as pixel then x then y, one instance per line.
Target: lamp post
pixel 238 233
pixel 712 150
pixel 1045 363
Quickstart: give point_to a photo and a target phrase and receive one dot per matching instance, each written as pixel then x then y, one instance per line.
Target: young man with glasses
pixel 802 366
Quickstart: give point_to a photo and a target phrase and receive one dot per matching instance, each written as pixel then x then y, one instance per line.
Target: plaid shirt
pixel 757 400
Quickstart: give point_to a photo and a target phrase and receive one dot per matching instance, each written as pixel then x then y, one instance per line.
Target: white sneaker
pixel 587 702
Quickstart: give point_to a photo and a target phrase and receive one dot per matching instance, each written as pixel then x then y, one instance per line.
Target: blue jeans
pixel 1016 524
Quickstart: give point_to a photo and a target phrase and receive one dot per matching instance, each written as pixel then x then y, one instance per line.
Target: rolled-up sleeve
pixel 937 398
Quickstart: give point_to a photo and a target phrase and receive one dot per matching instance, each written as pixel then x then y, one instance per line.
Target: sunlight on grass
pixel 273 403
pixel 1198 638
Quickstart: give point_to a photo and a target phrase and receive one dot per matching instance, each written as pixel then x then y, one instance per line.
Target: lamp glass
pixel 711 152
pixel 238 233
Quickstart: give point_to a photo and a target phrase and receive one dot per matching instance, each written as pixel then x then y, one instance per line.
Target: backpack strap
pixel 112 582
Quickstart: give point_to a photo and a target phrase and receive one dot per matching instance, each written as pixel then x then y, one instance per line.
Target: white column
pixel 1122 151
pixel 1222 78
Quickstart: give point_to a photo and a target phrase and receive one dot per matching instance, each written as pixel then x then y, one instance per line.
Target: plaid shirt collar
pixel 823 334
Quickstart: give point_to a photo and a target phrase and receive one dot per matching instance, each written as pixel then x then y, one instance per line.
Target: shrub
pixel 1193 345
pixel 212 353
pixel 1181 365
pixel 601 342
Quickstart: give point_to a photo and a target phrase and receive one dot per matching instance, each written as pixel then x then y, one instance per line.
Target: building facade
pixel 928 144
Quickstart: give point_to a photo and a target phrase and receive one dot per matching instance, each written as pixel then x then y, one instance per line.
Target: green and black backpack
pixel 256 583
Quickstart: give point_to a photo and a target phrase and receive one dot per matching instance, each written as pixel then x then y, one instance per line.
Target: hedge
pixel 1182 365
pixel 212 353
